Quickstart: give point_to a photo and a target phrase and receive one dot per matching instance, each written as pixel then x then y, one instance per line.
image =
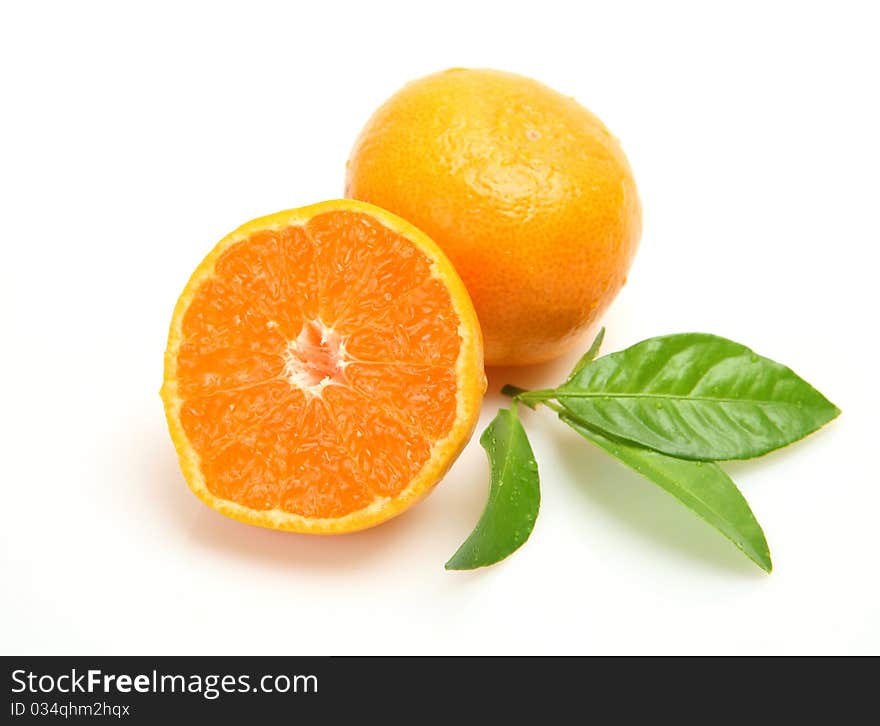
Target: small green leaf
pixel 589 355
pixel 514 496
pixel 702 487
pixel 695 396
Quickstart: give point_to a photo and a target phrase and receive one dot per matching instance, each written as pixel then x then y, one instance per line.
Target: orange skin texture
pixel 524 189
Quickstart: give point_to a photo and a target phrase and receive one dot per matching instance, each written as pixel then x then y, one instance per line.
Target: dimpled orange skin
pixel 524 189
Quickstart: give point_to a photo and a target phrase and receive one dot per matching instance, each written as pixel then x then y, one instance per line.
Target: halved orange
pixel 324 369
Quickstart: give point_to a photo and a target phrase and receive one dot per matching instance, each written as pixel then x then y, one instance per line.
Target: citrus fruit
pixel 324 369
pixel 525 190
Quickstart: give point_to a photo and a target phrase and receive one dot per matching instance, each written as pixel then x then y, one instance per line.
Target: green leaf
pixel 695 396
pixel 702 487
pixel 589 355
pixel 514 496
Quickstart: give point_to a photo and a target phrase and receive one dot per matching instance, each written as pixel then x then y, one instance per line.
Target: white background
pixel 134 138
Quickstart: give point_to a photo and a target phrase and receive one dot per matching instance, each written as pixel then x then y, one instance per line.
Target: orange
pixel 324 369
pixel 526 191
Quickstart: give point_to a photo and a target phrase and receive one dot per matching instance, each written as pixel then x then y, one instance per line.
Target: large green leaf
pixel 695 396
pixel 514 496
pixel 702 487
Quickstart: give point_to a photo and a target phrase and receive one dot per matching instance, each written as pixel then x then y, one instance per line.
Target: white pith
pixel 316 358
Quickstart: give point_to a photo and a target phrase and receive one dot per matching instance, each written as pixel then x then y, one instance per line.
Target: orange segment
pixel 424 324
pixel 362 266
pixel 323 369
pixel 422 396
pixel 380 450
pixel 215 421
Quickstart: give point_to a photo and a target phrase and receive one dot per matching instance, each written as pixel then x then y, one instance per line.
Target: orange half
pixel 324 369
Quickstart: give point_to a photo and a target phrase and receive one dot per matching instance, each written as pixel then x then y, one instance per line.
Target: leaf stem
pixel 513 391
pixel 533 398
pixel 553 406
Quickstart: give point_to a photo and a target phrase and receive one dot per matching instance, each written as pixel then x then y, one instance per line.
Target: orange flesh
pixel 317 367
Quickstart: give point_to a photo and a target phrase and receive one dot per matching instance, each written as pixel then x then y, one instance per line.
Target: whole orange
pixel 524 189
